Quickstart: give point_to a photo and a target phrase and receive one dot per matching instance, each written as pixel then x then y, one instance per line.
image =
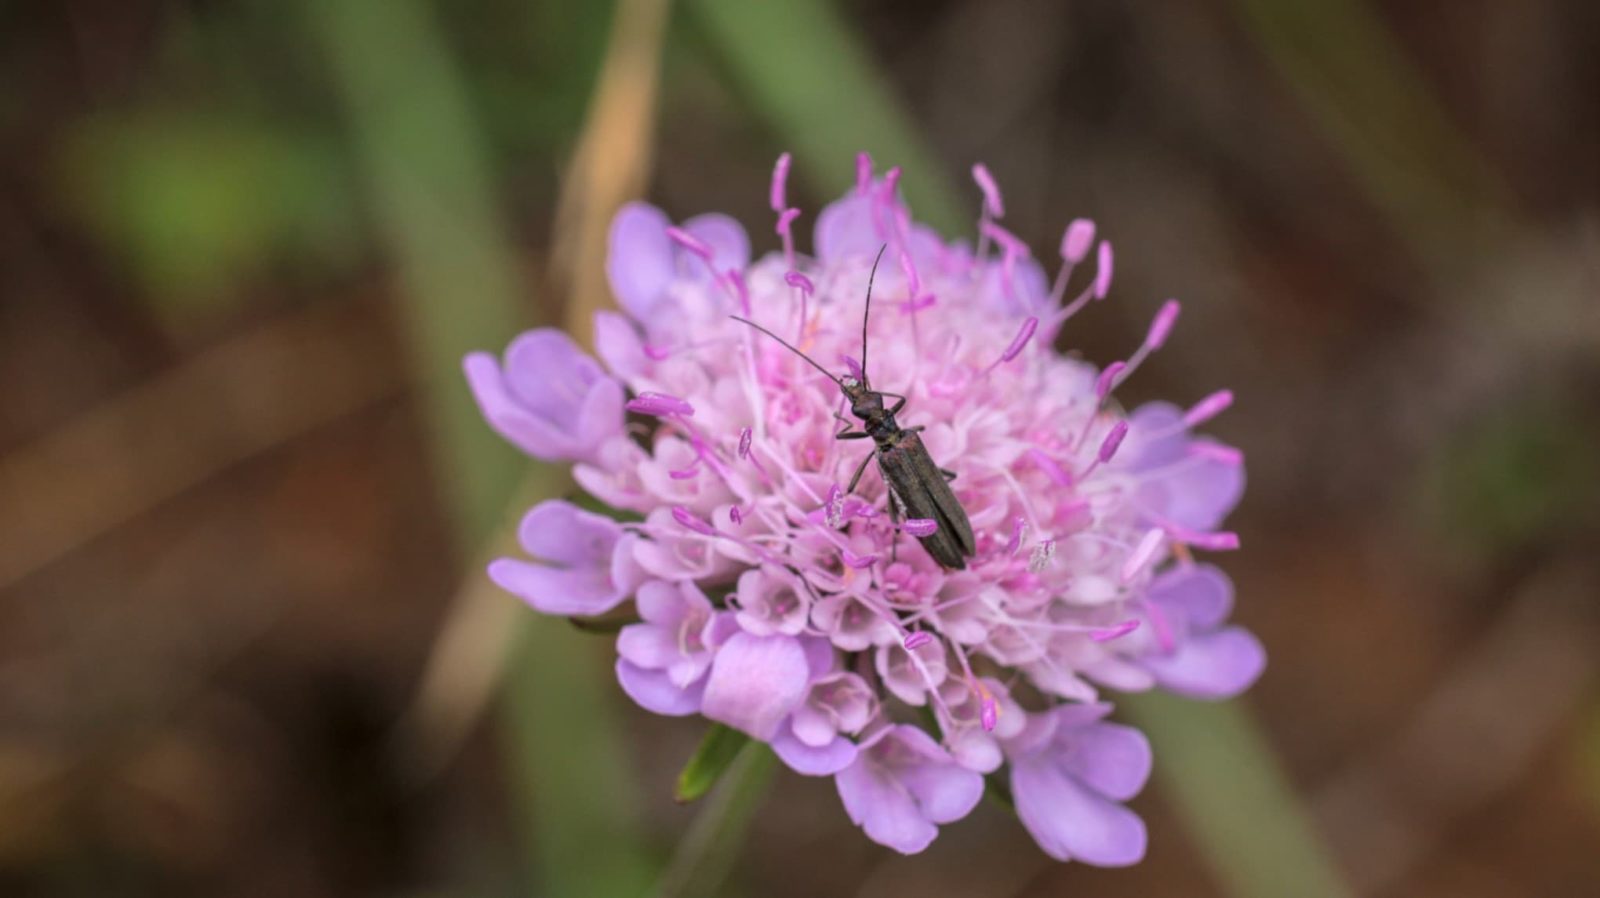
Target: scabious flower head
pixel 769 596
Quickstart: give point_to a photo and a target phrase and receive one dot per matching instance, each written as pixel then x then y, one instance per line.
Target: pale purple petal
pixel 724 236
pixel 1202 593
pixel 846 228
pixel 945 792
pixel 1211 665
pixel 617 342
pixel 581 546
pixel 1110 758
pixel 755 682
pixel 655 692
pixel 1072 823
pixel 825 760
pixel 549 398
pixel 648 646
pixel 640 260
pixel 886 812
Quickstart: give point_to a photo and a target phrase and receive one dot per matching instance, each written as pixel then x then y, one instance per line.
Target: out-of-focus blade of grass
pixel 811 78
pixel 1374 105
pixel 808 75
pixel 707 853
pixel 416 142
pixel 1217 767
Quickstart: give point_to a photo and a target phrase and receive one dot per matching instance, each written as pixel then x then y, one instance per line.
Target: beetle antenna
pixel 867 312
pixel 789 346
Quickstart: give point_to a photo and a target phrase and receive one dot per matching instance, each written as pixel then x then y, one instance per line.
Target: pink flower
pixel 777 600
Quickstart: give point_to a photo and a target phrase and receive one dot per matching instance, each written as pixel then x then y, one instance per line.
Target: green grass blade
pixel 811 79
pixel 431 191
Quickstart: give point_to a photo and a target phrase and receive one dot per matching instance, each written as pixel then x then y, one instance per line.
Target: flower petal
pixel 655 692
pixel 885 811
pixel 555 591
pixel 755 682
pixel 729 246
pixel 809 760
pixel 945 790
pixel 640 259
pixel 845 227
pixel 1071 823
pixel 1202 593
pixel 1110 758
pixel 1211 665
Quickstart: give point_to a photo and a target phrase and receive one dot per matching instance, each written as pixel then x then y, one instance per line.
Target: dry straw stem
pixel 612 162
pixel 611 166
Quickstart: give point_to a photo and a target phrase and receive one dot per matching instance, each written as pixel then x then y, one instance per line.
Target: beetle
pixel 919 487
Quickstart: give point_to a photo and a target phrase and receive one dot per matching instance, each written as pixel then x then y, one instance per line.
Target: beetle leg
pixel 845 433
pixel 898 405
pixel 860 469
pixel 948 475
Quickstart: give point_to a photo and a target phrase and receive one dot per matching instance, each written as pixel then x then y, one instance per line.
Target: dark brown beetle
pixel 918 488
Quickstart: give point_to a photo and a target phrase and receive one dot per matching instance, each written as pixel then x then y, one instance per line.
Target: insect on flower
pixel 918 488
pixel 757 595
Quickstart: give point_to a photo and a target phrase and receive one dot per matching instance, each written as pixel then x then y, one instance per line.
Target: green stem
pixel 1217 767
pixel 431 190
pixel 708 851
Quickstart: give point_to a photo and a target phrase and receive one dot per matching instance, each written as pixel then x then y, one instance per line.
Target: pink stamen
pixel 746 436
pixel 920 527
pixel 1208 408
pixel 780 177
pixel 863 173
pixel 800 282
pixel 1108 448
pixel 1220 541
pixel 1102 275
pixel 1021 339
pixel 1108 380
pixel 1110 633
pixel 858 562
pixel 913 283
pixel 891 184
pixel 1076 241
pixel 688 519
pixel 786 219
pixel 659 405
pixel 1161 327
pixel 1142 555
pixel 741 288
pixel 735 515
pixel 1041 555
pixel 989 712
pixel 917 640
pixel 992 201
pixel 1163 629
pixel 685 473
pixel 657 353
pixel 1018 525
pixel 1048 465
pixel 690 242
pixel 1216 452
pixel 1004 237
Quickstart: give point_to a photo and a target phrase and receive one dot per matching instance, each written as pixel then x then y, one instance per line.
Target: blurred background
pixel 246 648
